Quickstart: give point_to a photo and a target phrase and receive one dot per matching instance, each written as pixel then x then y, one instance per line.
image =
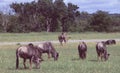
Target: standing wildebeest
pixel 48 48
pixel 63 38
pixel 82 49
pixel 30 52
pixel 102 49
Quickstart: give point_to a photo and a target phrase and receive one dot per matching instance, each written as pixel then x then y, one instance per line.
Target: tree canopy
pixel 52 16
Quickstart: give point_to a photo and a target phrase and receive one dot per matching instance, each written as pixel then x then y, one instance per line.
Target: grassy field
pixel 44 36
pixel 68 61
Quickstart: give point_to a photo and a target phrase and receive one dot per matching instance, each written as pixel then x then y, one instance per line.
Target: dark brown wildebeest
pixel 63 38
pixel 48 48
pixel 82 49
pixel 109 42
pixel 30 52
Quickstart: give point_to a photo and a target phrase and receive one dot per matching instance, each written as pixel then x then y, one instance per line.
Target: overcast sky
pixel 91 6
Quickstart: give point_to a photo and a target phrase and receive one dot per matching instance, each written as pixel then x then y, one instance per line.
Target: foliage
pixel 52 16
pixel 101 21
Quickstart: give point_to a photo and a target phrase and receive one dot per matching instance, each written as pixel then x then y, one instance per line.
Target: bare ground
pixel 55 41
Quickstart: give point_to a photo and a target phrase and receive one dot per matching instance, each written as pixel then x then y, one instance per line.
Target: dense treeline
pixel 46 15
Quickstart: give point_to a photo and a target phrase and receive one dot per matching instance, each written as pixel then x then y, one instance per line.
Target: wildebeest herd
pixel 34 52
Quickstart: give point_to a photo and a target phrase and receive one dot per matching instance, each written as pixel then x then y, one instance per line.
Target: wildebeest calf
pixel 82 49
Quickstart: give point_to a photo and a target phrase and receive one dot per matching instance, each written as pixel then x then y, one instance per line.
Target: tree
pixel 73 13
pixel 61 10
pixel 115 22
pixel 66 14
pixel 4 22
pixel 46 8
pixel 101 21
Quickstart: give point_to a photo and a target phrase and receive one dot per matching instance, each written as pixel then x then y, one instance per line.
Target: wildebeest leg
pixel 24 61
pixel 61 42
pixel 64 40
pixel 98 58
pixel 30 60
pixel 85 55
pixel 79 52
pixel 48 55
pixel 102 56
pixel 79 55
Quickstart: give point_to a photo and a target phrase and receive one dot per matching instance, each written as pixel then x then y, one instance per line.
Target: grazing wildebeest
pixel 109 42
pixel 30 52
pixel 82 49
pixel 48 48
pixel 63 38
pixel 101 49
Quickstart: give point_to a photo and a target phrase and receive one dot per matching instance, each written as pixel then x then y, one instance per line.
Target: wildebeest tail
pixel 17 60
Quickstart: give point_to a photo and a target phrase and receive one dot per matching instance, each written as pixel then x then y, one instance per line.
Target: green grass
pixel 68 61
pixel 44 36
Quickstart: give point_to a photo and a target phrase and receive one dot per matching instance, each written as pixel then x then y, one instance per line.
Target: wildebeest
pixel 63 38
pixel 101 48
pixel 48 48
pixel 30 52
pixel 109 42
pixel 82 49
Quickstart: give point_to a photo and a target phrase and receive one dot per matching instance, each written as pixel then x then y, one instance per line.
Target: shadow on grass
pixel 93 60
pixel 75 59
pixel 21 68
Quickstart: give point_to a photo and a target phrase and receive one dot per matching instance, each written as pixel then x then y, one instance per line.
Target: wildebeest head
pixel 54 53
pixel 106 56
pixel 55 56
pixel 36 60
pixel 30 44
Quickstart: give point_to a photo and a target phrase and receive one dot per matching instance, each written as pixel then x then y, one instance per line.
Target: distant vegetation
pixel 46 15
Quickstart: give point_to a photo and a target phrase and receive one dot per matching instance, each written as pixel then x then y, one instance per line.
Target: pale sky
pixel 90 6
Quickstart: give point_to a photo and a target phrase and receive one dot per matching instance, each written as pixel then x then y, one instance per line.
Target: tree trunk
pixel 5 20
pixel 48 22
pixel 4 27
